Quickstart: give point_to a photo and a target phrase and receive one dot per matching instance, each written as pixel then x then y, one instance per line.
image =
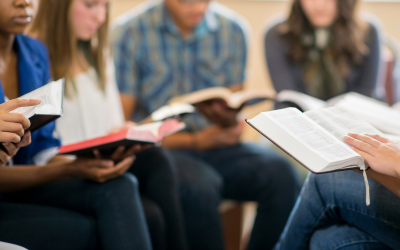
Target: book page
pixel 378 114
pixel 172 110
pixel 312 135
pixel 203 95
pixel 340 122
pixel 305 102
pixel 238 98
pixel 51 95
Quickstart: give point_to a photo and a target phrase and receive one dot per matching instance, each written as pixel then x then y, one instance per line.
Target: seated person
pixel 175 47
pixel 92 106
pixel 323 49
pixel 108 215
pixel 331 213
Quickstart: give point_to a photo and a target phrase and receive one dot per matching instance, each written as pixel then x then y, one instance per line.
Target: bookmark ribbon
pixel 367 195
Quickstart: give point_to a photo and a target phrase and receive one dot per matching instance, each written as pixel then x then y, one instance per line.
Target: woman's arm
pixel 390 183
pixel 382 155
pixel 279 66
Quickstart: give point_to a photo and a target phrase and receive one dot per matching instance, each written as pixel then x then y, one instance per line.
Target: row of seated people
pixel 161 50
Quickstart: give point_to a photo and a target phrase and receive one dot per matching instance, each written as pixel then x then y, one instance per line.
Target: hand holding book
pixel 98 170
pixel 13 125
pixel 219 113
pixel 381 154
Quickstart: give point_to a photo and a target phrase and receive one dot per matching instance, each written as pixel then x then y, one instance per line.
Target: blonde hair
pixel 53 26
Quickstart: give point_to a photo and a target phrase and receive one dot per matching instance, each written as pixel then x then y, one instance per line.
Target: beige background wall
pixel 257 12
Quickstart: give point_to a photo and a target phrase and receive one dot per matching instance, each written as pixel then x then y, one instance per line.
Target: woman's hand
pixel 99 170
pixel 13 125
pixel 382 155
pixel 10 149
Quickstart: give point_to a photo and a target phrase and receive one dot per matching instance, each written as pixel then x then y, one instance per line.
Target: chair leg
pixel 232 220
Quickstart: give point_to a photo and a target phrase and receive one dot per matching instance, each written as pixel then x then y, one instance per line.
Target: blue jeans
pixel 331 213
pixel 242 172
pixel 69 214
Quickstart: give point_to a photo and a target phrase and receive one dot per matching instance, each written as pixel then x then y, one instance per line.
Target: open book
pixel 151 133
pixel 49 109
pixel 233 99
pixel 169 111
pixel 314 138
pixel 378 114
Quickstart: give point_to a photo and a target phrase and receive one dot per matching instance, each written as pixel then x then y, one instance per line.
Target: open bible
pixel 378 114
pixel 314 138
pixel 233 100
pixel 151 133
pixel 49 109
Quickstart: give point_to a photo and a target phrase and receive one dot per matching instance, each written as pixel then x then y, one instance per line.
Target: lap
pixel 43 227
pixel 75 194
pixel 243 170
pixel 344 237
pixel 340 198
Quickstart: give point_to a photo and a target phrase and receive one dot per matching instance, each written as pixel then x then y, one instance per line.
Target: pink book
pixel 151 133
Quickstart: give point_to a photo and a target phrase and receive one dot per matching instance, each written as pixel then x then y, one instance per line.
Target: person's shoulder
pixel 274 32
pixel 231 20
pixel 141 13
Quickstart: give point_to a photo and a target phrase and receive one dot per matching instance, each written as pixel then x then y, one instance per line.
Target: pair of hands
pixel 13 127
pixel 104 168
pixel 107 167
pixel 226 130
pixel 382 155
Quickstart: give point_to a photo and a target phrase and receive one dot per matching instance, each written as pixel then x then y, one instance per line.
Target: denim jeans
pixel 112 211
pixel 331 213
pixel 242 172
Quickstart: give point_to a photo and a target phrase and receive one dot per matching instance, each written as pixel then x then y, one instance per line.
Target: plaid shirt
pixel 155 63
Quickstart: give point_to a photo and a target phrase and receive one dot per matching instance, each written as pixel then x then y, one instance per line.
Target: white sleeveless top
pixel 90 112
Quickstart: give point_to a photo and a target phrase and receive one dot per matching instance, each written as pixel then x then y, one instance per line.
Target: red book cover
pixel 152 133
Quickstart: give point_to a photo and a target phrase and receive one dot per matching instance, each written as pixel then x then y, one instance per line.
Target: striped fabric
pixel 155 63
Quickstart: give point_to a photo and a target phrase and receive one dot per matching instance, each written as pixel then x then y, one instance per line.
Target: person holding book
pixel 48 201
pixel 324 49
pixel 92 106
pixel 173 47
pixel 331 213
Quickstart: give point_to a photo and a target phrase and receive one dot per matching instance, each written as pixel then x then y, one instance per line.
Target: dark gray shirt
pixel 285 74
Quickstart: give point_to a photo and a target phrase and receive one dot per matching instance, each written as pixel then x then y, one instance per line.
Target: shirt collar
pixel 163 20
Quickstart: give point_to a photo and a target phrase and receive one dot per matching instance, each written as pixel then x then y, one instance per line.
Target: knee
pixel 343 237
pixel 126 185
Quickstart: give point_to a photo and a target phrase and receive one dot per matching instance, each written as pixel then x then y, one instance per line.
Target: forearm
pixel 180 140
pixel 21 177
pixel 390 183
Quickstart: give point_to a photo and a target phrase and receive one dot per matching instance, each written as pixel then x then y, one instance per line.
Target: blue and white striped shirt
pixel 155 63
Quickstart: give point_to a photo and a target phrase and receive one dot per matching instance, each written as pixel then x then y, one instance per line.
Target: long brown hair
pixel 53 26
pixel 348 35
